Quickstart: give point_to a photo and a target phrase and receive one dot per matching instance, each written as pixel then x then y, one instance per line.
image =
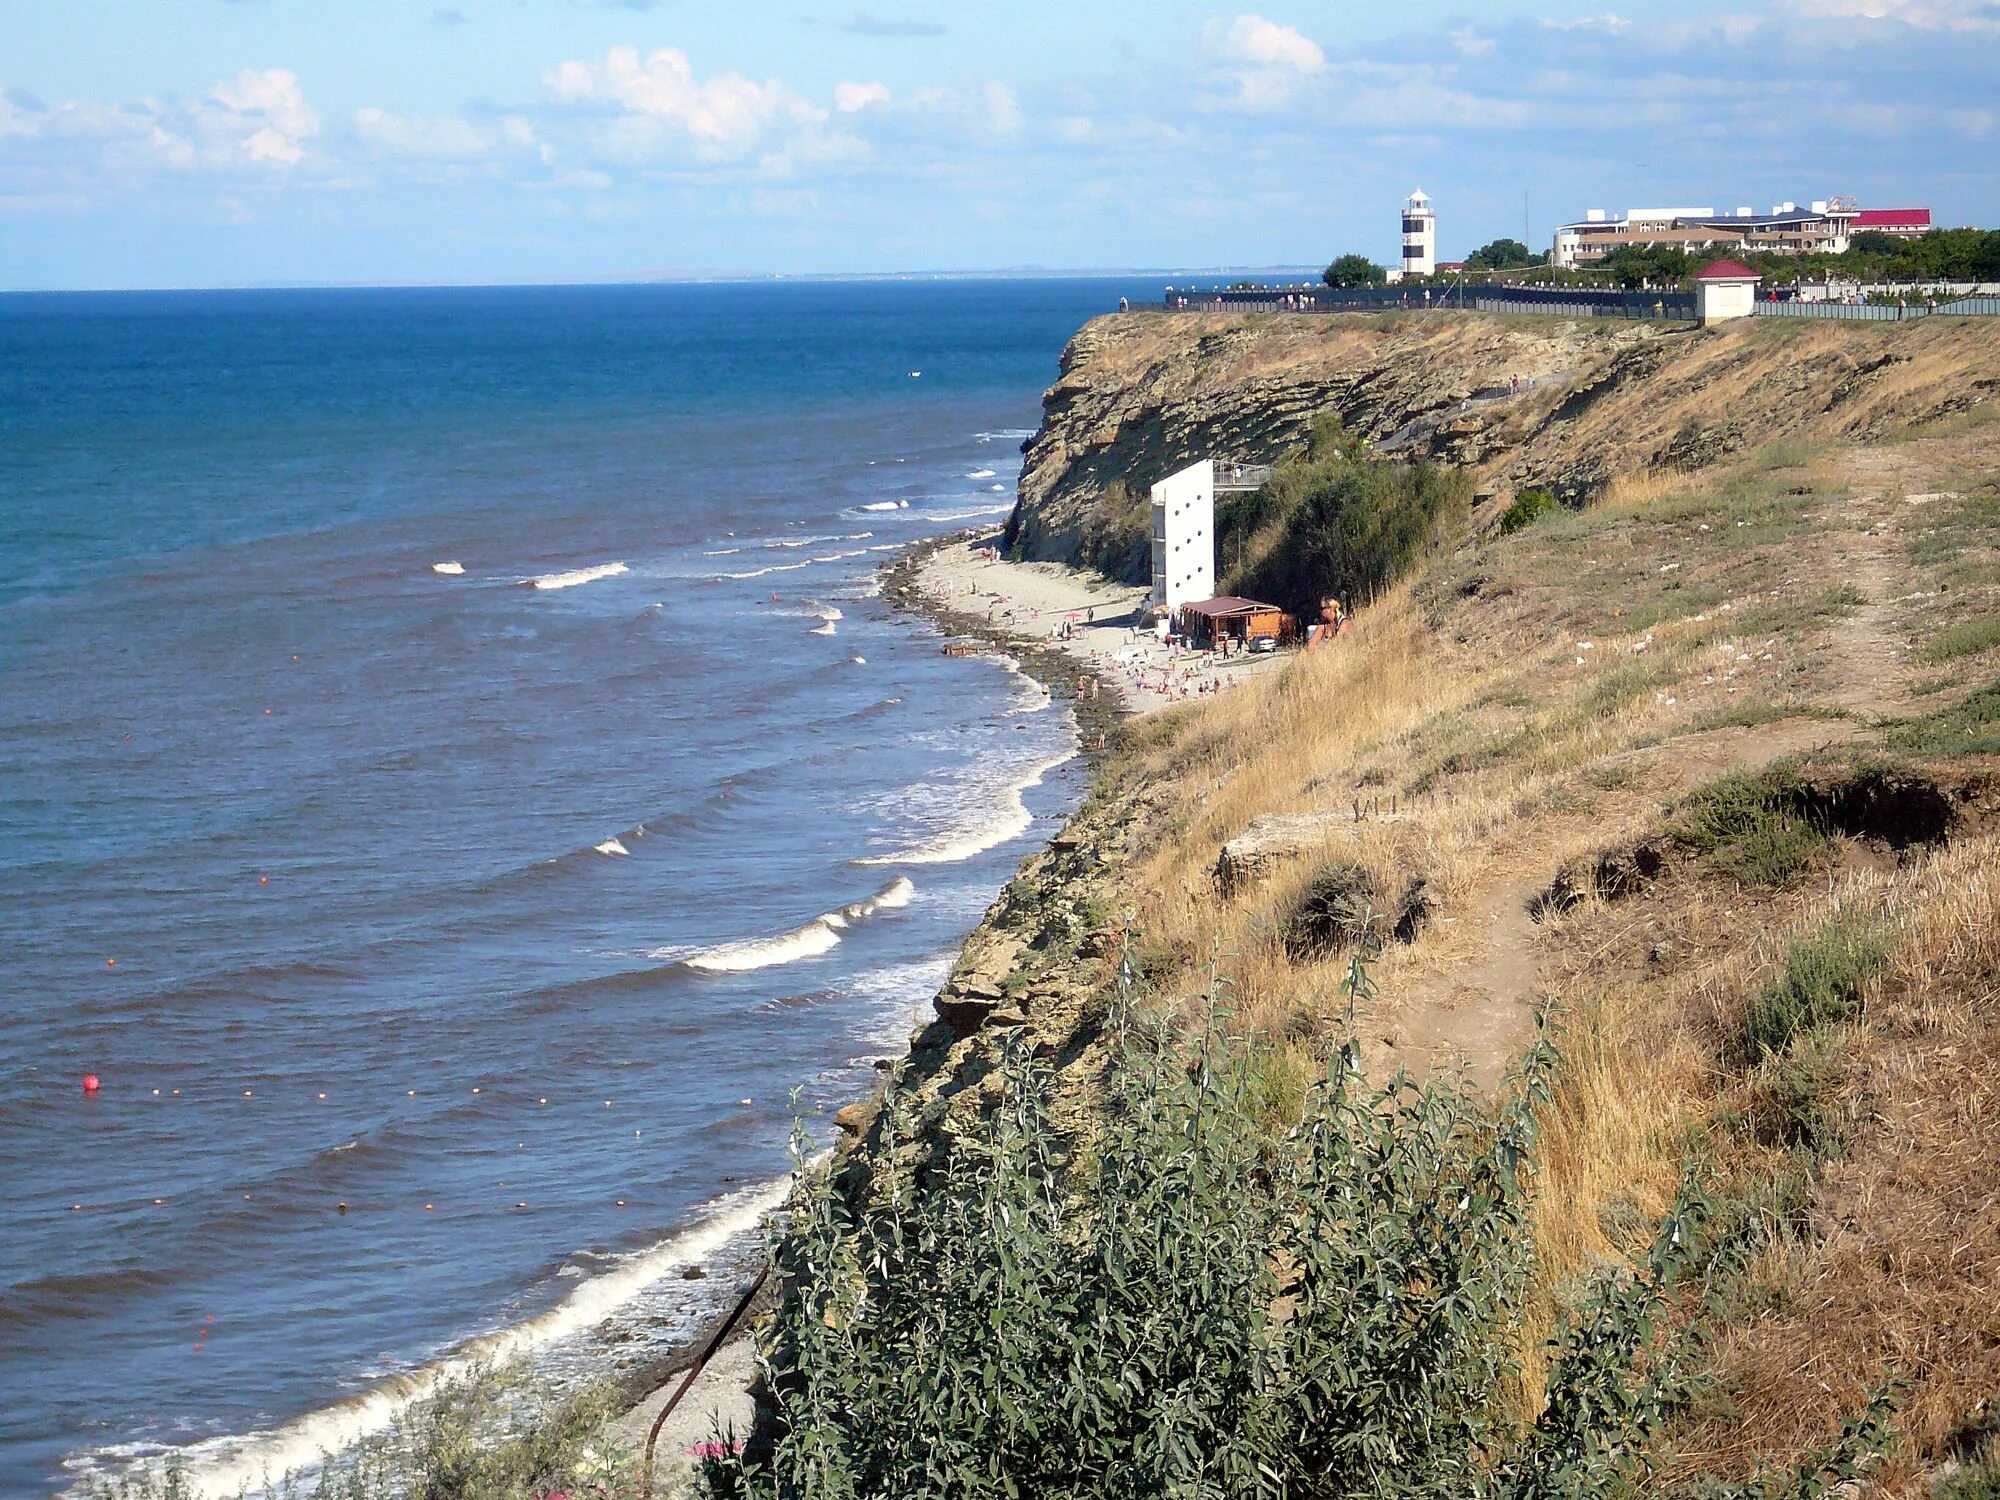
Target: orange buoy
pixel 110 963
pixel 263 880
pixel 341 1206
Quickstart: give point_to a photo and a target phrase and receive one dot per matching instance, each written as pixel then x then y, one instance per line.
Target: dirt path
pixel 1478 1018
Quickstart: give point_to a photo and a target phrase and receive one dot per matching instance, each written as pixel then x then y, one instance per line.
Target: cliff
pixel 1522 402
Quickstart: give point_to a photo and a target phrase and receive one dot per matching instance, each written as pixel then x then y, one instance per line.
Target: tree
pixel 1501 255
pixel 1874 242
pixel 1656 265
pixel 1354 270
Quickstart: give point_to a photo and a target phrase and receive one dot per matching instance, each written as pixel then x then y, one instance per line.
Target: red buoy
pixel 90 1083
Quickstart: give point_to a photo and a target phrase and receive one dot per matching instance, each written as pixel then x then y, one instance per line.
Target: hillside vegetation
pixel 1702 774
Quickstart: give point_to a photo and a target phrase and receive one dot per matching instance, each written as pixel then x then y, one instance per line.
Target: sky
pixel 149 143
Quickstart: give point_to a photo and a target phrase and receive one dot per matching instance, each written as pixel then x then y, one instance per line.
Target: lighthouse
pixel 1419 236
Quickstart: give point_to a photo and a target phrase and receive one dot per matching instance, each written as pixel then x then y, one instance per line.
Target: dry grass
pixel 1902 1274
pixel 1881 1254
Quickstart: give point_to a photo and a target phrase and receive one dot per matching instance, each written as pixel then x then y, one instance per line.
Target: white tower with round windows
pixel 1419 236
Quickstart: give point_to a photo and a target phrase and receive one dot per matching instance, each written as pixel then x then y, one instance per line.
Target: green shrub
pixel 1174 1304
pixel 1117 533
pixel 1348 528
pixel 1821 984
pixel 1745 825
pixel 1966 638
pixel 1797 1097
pixel 1969 727
pixel 1529 507
pixel 1334 912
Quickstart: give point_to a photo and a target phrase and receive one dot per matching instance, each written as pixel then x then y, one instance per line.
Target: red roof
pixel 1227 605
pixel 1728 270
pixel 1884 218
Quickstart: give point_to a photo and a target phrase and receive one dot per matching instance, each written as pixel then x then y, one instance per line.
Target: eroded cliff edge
pixel 1563 404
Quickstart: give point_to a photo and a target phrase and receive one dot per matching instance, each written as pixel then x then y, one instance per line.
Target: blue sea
pixel 457 779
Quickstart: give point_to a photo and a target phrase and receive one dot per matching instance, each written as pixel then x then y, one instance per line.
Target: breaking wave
pixel 612 846
pixel 240 1465
pixel 1010 820
pixel 576 576
pixel 885 505
pixel 820 935
pixel 449 569
pixel 773 568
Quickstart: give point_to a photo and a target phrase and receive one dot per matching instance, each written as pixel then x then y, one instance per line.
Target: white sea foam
pixel 576 576
pixel 774 568
pixel 859 661
pixel 820 935
pixel 980 474
pixel 1032 696
pixel 885 505
pixel 612 846
pixel 230 1466
pixel 998 489
pixel 723 552
pixel 970 515
pixel 829 612
pixel 1010 820
pixel 825 627
pixel 449 569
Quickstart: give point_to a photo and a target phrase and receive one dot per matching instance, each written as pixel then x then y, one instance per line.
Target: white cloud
pixel 1003 110
pixel 1259 43
pixel 1267 61
pixel 272 96
pixel 1922 15
pixel 1468 43
pixel 257 121
pixel 850 97
pixel 429 137
pixel 1609 22
pixel 658 100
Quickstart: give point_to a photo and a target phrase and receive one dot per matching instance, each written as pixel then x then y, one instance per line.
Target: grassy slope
pixel 1537 698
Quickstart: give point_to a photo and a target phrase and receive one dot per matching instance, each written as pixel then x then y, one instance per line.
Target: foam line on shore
pixel 222 1467
pixel 1011 819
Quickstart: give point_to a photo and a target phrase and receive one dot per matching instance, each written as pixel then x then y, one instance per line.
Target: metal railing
pixel 1853 312
pixel 1585 302
pixel 1875 312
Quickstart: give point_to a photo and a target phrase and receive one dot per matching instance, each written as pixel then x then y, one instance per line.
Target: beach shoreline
pixel 1086 626
pixel 930 580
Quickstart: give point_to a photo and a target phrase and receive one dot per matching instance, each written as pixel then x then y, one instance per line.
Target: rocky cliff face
pixel 1522 401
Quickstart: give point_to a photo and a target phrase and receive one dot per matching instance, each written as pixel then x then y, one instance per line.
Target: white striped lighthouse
pixel 1419 236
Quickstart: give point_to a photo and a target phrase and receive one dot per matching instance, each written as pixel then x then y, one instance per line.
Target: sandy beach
pixel 719 1401
pixel 1035 600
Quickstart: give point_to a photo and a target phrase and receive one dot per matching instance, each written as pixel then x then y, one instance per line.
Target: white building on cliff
pixel 1184 537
